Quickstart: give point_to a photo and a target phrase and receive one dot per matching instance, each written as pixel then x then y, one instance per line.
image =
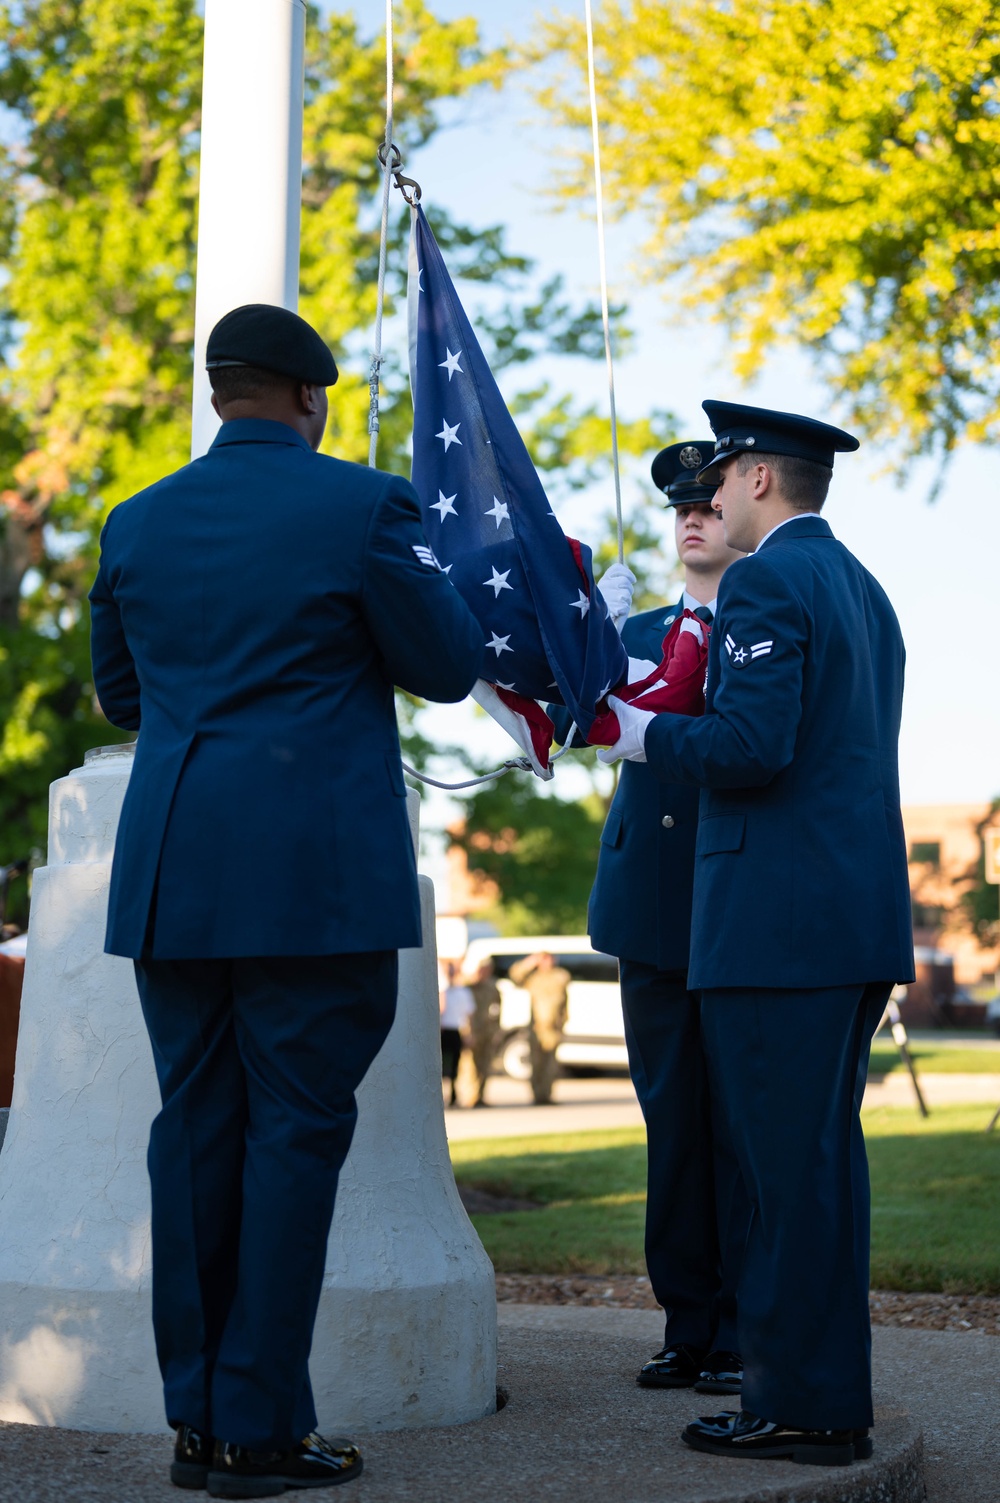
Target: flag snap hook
pixel 390 155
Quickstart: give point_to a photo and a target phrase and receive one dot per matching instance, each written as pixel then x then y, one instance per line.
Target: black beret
pixel 275 339
pixel 675 472
pixel 740 429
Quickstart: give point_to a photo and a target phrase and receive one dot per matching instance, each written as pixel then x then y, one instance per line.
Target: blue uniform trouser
pixel 787 1065
pixel 697 1211
pixel 258 1061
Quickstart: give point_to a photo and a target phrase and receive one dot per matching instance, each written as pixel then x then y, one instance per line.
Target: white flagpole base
pixel 406 1333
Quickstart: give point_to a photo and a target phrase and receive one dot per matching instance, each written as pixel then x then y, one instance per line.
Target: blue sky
pixel 940 563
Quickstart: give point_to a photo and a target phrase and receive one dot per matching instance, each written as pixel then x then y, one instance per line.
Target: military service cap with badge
pixel 675 472
pixel 739 430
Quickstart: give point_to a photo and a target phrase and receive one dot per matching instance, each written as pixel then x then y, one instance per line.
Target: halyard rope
pixel 390 159
pixel 604 275
pixel 520 764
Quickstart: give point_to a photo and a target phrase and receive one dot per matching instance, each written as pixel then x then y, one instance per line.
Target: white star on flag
pixel 499 644
pixel 505 686
pixel 498 582
pixel 451 365
pixel 448 434
pixel 444 505
pixel 582 605
pixel 498 511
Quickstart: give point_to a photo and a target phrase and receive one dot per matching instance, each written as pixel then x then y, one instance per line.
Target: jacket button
pixel 667 821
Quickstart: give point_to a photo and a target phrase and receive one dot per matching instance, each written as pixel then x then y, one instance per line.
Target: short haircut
pixel 803 483
pixel 246 383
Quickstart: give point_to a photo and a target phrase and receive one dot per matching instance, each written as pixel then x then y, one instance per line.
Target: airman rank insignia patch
pixel 428 557
pixel 742 653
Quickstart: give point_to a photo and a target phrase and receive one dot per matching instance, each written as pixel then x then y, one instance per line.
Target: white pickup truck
pixel 594 1037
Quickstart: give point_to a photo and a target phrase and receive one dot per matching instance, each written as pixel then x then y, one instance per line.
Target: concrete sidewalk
pixel 938 1090
pixel 577 1426
pixel 609 1102
pixel 578 1105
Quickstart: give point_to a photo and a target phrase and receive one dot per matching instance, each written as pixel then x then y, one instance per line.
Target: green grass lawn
pixel 936 1060
pixel 935 1200
pixel 594 1188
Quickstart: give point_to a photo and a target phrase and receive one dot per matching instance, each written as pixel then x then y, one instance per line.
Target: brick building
pixel 944 849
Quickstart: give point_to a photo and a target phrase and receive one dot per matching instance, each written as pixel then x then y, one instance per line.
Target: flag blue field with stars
pixel 487 518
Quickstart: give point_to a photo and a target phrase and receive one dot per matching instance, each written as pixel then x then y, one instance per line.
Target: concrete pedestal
pixel 406 1334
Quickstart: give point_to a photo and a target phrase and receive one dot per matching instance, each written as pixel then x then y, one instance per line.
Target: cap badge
pixel 690 457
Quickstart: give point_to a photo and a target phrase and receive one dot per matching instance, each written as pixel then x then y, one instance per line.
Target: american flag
pixel 490 526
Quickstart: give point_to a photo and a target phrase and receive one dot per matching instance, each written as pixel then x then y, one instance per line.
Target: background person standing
pixel 547 984
pixel 484 1036
pixel 456 1006
pixel 250 616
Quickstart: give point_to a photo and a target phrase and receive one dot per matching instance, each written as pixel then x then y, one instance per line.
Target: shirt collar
pixel 802 516
pixel 690 604
pixel 258 431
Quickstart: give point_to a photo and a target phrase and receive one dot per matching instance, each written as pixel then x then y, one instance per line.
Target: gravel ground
pixel 928 1312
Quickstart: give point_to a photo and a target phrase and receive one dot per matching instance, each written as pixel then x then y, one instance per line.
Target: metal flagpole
pixel 251 171
pixel 386 157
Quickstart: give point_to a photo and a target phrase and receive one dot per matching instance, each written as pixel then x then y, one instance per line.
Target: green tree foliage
pixel 540 850
pixel 644 533
pixel 824 171
pixel 99 136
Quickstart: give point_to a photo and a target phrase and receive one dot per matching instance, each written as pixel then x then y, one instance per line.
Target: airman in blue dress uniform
pixel 640 911
pixel 251 615
pixel 801 918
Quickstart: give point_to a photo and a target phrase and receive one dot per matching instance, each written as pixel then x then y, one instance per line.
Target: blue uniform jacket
pixel 640 907
pixel 250 616
pixel 800 866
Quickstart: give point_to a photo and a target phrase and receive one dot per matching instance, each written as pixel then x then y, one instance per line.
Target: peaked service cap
pixel 275 339
pixel 675 472
pixel 740 429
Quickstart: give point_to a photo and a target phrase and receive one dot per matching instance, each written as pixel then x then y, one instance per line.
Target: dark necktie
pixel 703 613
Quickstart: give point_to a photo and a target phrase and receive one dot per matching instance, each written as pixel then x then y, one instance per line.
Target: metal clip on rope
pixel 374 371
pixel 408 186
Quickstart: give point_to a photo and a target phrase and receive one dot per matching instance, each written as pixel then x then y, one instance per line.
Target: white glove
pixel 631 743
pixel 617 585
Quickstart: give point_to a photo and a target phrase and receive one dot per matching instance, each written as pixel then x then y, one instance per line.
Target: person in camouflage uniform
pixel 483 1036
pixel 547 984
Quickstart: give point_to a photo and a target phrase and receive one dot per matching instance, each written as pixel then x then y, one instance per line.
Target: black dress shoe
pixel 721 1372
pixel 674 1367
pixel 192 1455
pixel 746 1434
pixel 863 1446
pixel 237 1472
